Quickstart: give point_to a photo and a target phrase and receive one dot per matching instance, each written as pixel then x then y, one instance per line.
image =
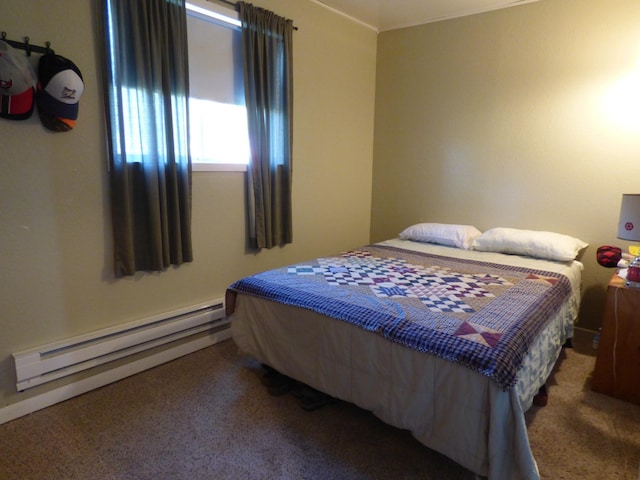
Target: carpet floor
pixel 208 416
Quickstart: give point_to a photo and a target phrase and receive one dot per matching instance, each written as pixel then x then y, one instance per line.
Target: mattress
pixel 459 411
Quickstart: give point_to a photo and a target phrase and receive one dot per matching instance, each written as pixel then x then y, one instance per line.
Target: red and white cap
pixel 17 84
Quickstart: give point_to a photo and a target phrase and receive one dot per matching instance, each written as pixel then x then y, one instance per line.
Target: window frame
pixel 218 167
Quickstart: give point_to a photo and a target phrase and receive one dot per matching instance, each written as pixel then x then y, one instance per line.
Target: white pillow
pixel 460 236
pixel 547 245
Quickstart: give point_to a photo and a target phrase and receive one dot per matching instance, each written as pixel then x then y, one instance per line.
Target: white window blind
pixel 219 137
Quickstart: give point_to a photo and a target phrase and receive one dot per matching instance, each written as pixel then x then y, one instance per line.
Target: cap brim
pixel 54 114
pixel 17 107
pixel 56 124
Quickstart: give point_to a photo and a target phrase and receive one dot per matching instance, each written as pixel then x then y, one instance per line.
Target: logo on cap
pixel 69 93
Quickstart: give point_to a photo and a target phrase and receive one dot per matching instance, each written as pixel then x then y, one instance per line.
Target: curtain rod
pixel 235 5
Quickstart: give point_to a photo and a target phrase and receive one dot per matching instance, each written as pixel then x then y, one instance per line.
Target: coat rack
pixel 26 46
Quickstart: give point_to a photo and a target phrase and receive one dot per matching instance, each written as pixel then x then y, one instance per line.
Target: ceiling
pixel 391 14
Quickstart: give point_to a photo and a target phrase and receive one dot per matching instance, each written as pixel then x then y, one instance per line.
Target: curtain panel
pixel 267 58
pixel 146 81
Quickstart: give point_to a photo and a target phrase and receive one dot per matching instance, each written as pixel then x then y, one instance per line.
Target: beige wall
pixel 499 119
pixel 56 278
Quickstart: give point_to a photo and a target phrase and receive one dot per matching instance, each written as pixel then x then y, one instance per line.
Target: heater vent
pixel 59 359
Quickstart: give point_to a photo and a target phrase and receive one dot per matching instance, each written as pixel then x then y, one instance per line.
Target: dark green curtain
pixel 267 56
pixel 146 78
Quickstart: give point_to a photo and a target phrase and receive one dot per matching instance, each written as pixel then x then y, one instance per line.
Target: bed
pixel 444 340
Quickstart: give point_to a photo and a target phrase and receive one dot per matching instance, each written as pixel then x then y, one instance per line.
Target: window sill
pixel 218 167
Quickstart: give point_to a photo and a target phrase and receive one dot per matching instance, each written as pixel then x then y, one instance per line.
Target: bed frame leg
pixel 542 398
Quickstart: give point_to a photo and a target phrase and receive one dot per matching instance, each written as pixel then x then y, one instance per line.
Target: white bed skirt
pixel 447 407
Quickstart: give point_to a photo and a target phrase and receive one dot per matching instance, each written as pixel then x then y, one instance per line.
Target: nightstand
pixel 617 371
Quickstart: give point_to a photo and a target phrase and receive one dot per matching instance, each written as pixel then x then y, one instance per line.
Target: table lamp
pixel 629 229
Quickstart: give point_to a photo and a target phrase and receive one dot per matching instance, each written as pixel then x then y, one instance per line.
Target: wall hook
pixel 26 46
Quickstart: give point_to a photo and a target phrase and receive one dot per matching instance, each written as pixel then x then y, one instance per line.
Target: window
pixel 219 138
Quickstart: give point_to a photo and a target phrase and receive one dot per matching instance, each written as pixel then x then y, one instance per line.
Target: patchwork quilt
pixel 481 315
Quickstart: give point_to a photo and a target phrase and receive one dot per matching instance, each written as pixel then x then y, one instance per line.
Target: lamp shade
pixel 629 224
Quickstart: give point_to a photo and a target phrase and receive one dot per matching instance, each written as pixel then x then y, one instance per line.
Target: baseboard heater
pixel 60 359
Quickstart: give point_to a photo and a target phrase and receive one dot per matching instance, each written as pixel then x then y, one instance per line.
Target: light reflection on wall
pixel 622 101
